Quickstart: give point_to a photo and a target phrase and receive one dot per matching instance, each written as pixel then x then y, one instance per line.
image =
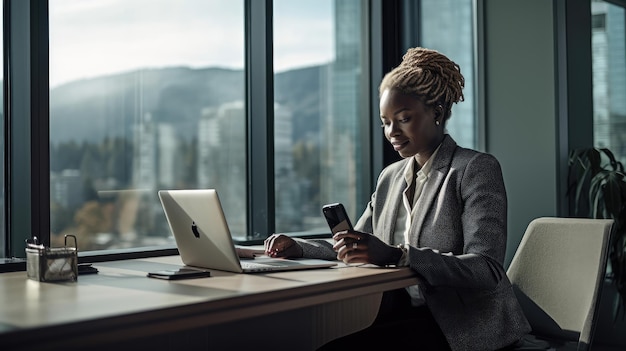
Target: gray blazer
pixel 457 245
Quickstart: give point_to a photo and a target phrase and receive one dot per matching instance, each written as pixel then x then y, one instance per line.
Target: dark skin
pixel 281 245
pixel 414 130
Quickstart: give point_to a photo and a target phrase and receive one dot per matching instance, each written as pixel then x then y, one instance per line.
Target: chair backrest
pixel 557 274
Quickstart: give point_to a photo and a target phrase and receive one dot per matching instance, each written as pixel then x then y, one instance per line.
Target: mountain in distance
pixel 109 106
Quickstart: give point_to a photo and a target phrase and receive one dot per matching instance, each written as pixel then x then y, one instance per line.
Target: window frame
pixel 26 139
pixel 259 74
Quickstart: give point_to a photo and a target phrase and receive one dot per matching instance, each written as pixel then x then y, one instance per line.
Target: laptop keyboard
pixel 267 264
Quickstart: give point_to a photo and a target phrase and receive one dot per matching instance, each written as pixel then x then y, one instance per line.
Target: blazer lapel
pixel 391 213
pixel 437 174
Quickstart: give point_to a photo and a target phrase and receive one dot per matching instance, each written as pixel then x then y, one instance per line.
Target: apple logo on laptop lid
pixel 194 229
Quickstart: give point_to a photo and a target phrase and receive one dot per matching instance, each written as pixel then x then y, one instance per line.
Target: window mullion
pixel 27 113
pixel 260 111
pixel 40 120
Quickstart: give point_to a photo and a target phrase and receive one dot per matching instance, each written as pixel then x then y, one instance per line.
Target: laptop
pixel 197 221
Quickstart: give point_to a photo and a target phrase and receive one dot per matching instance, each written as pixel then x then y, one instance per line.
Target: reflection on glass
pixel 317 114
pixel 144 95
pixel 608 53
pixel 446 26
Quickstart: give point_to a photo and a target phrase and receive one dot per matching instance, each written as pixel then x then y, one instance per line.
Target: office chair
pixel 557 274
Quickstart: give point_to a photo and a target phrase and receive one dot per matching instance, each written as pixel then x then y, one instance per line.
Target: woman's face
pixel 409 125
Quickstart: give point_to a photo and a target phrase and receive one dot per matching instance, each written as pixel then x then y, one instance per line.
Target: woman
pixel 442 212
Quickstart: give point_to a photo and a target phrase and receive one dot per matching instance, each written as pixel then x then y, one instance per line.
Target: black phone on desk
pixel 181 273
pixel 86 268
pixel 336 217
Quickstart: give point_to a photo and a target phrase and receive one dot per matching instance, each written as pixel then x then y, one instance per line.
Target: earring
pixel 436 122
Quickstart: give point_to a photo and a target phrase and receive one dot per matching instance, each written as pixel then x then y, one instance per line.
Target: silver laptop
pixel 203 239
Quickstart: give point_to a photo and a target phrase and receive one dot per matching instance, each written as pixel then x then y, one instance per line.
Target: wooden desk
pixel 121 308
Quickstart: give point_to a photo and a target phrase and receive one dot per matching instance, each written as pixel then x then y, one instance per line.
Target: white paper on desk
pixel 246 252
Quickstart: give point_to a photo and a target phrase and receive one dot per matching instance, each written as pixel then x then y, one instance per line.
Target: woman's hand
pixel 358 247
pixel 280 245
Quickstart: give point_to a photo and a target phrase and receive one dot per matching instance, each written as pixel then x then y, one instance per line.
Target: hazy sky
pixel 95 37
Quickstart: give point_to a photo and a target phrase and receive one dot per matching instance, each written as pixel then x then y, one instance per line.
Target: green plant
pixel 597 189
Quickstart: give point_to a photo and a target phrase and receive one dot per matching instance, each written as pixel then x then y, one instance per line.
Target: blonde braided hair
pixel 430 76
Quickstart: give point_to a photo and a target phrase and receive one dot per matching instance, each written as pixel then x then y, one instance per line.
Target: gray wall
pixel 520 109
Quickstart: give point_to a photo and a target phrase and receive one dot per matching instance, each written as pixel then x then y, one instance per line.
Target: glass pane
pixel 144 95
pixel 318 50
pixel 608 54
pixel 455 40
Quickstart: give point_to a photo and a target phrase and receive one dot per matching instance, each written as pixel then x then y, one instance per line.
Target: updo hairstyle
pixel 430 76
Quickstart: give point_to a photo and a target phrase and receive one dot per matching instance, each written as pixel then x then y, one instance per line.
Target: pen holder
pixel 47 264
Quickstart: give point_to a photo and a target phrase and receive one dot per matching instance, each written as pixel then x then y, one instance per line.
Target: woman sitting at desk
pixel 442 211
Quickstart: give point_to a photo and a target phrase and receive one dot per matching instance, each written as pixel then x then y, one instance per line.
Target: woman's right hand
pixel 281 245
pixel 358 247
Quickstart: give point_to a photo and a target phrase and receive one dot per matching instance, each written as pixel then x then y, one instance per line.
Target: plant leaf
pixel 615 165
pixel 580 187
pixel 596 195
pixel 594 161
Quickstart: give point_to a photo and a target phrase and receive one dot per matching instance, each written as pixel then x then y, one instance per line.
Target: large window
pixel 144 95
pixel 169 94
pixel 149 95
pixel 609 77
pixel 318 111
pixel 448 27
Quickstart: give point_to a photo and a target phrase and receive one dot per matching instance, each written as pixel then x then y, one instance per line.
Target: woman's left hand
pixel 358 247
pixel 280 245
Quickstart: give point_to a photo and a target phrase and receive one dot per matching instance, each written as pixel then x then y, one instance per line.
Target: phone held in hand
pixel 181 273
pixel 336 217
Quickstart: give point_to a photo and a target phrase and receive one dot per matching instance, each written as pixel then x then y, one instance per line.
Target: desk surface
pixel 121 300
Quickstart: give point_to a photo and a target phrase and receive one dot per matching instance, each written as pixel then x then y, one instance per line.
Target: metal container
pixel 47 264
